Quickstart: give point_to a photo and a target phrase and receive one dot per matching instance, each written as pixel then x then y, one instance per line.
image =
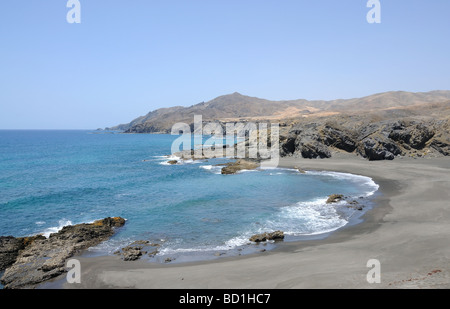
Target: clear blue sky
pixel 129 57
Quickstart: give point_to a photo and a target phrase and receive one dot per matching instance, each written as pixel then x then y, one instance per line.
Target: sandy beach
pixel 408 232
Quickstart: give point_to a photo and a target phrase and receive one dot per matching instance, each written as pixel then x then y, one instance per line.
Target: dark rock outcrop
pixel 442 147
pixel 312 149
pixel 277 235
pixel 313 140
pixel 371 138
pixel 10 248
pixel 338 138
pixel 45 258
pixel 415 136
pixel 379 148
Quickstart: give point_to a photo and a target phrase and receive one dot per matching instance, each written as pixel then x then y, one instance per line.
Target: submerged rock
pixel 44 258
pixel 277 235
pixel 169 259
pixel 301 171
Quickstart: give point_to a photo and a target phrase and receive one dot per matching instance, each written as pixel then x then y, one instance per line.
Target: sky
pixel 129 57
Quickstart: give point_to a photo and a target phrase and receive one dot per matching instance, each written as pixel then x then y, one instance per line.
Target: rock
pixel 379 148
pixel 141 242
pixel 311 149
pixel 135 250
pixel 153 253
pixel 356 206
pixel 277 235
pixel 334 198
pixel 287 146
pixel 371 137
pixel 9 250
pixel 44 258
pixel 241 164
pixel 313 140
pixel 169 259
pixel 172 162
pixel 132 253
pixel 414 136
pixel 441 146
pixel 339 138
pixel 300 170
pixel 113 222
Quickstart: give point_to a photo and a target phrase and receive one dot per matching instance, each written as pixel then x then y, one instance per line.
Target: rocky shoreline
pixel 28 261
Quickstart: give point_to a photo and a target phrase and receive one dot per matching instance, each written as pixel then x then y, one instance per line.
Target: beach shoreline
pixel 407 231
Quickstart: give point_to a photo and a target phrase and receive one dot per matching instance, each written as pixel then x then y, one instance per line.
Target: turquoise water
pixel 49 179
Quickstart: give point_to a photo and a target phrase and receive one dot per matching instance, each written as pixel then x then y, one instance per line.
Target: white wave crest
pixel 56 229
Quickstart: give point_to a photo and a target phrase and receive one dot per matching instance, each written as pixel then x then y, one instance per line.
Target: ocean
pixel 49 179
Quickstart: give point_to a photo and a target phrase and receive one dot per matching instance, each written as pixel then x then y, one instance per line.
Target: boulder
pixel 241 164
pixel 334 198
pixel 277 235
pixel 132 253
pixel 135 250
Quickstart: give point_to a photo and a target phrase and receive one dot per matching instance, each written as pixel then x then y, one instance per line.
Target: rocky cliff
pixel 367 136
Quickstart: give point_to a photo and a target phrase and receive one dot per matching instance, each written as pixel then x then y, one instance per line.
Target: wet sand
pixel 408 232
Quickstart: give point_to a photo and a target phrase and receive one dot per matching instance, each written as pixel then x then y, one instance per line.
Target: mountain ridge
pixel 238 107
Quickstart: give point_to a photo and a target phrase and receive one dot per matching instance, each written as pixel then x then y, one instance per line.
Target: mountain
pixel 238 107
